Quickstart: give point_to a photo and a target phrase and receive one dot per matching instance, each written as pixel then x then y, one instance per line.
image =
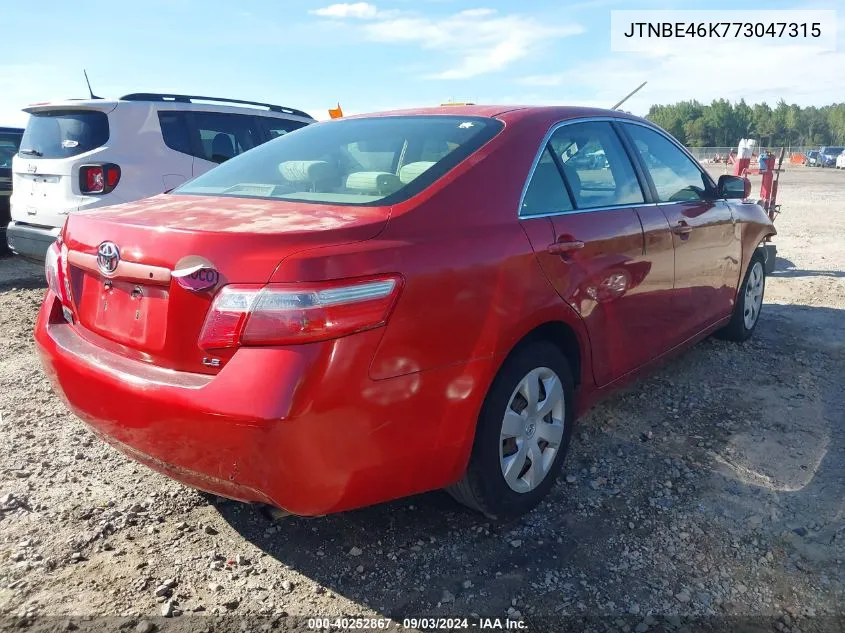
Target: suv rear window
pixel 379 160
pixel 64 133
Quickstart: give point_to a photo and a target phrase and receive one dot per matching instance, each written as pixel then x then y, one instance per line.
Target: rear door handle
pixel 682 228
pixel 561 248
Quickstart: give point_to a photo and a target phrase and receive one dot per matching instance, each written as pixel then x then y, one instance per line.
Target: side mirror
pixel 734 187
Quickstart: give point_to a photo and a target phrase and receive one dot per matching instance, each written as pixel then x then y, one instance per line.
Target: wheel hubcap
pixel 532 429
pixel 753 295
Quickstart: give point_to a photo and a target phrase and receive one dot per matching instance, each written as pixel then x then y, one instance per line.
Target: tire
pixel 741 328
pixel 771 251
pixel 484 487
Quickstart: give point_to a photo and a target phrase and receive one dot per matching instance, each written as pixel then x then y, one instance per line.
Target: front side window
pixel 595 165
pixel 64 133
pixel 379 160
pixel 676 176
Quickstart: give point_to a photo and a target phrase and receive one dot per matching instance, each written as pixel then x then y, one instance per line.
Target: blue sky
pixel 383 54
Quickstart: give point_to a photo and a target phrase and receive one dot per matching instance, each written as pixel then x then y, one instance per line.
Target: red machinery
pixel 768 192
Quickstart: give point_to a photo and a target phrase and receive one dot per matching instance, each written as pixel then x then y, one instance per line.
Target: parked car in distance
pixel 840 161
pixel 810 158
pixel 84 154
pixel 10 140
pixel 377 306
pixel 828 155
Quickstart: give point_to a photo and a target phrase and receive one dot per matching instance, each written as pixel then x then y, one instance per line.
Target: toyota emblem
pixel 108 257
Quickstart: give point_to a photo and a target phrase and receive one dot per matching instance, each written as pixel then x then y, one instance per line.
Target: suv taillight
pixel 98 179
pixel 288 314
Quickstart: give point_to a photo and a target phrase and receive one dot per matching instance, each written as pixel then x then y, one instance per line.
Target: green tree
pixel 722 123
pixel 764 125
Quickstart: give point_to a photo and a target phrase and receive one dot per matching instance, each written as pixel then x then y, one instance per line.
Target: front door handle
pixel 682 228
pixel 562 248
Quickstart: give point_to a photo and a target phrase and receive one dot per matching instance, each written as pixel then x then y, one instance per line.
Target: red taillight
pixel 288 314
pixel 55 269
pixel 52 268
pixel 94 179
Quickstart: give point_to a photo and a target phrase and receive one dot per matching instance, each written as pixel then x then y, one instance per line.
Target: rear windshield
pixel 9 143
pixel 64 133
pixel 381 160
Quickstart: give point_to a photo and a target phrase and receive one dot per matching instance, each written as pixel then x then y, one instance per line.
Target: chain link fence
pixel 720 154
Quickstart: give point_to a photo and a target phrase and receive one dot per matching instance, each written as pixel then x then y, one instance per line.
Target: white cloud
pixel 360 10
pixel 480 40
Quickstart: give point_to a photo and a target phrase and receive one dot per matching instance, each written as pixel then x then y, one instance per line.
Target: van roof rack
pixel 154 96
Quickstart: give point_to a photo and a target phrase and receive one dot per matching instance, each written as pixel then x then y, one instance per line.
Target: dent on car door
pixel 705 235
pixel 597 262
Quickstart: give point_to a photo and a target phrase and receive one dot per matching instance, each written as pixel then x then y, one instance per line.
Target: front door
pixel 585 184
pixel 705 235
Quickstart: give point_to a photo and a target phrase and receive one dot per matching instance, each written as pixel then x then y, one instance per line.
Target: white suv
pixel 82 154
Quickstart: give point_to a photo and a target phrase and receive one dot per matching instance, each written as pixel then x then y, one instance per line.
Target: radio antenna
pixel 90 92
pixel 629 95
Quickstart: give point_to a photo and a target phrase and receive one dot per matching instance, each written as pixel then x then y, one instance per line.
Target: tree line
pixel 722 123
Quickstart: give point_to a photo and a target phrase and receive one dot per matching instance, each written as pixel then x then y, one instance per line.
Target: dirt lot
pixel 713 488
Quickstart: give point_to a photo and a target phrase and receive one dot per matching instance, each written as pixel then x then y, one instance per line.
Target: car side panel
pixel 754 225
pixel 706 263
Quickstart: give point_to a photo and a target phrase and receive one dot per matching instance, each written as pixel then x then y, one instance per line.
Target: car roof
pixel 510 112
pixel 203 104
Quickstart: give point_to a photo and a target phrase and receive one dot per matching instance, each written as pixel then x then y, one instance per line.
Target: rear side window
pixel 214 136
pixel 595 165
pixel 279 127
pixel 546 192
pixel 224 136
pixel 676 176
pixel 378 160
pixel 174 130
pixel 64 133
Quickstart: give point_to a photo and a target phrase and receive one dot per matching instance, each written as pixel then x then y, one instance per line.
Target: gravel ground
pixel 715 487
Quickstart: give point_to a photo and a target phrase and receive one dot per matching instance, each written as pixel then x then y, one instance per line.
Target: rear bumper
pixel 30 242
pixel 302 428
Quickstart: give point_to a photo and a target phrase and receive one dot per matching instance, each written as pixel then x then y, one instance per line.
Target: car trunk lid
pixel 142 310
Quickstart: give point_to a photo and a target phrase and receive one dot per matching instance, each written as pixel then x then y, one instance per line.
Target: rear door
pixel 706 237
pixel 598 262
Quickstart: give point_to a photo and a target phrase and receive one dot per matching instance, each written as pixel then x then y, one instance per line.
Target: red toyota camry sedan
pixel 373 307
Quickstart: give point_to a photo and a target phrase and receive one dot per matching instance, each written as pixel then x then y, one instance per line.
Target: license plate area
pixel 124 311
